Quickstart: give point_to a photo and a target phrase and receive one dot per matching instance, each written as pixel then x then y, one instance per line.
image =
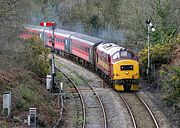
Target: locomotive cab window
pixel 126 54
pixel 116 56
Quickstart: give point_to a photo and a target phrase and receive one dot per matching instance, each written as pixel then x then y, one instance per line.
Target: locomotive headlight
pixel 127 73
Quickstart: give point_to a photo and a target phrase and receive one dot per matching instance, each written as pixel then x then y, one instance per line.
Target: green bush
pixel 170 83
pixel 37 57
pixel 160 53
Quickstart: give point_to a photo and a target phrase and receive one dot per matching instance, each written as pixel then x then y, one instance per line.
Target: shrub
pixel 159 53
pixel 170 83
pixel 36 57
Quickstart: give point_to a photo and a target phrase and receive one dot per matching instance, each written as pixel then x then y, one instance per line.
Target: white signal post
pixel 53 25
pixel 150 27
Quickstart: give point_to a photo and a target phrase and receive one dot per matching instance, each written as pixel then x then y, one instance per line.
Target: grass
pixel 78 79
pixel 58 76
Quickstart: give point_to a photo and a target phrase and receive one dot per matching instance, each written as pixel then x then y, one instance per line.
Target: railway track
pixel 61 105
pixel 141 114
pixel 93 112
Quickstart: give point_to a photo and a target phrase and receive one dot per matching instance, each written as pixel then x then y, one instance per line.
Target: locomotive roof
pixel 109 48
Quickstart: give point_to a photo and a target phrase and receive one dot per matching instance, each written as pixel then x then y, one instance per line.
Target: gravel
pixel 117 114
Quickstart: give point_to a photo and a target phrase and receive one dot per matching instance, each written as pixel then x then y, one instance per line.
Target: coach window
pixel 86 49
pixel 81 47
pixel 89 50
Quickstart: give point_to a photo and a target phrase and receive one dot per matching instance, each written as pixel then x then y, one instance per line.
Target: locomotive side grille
pixel 126 67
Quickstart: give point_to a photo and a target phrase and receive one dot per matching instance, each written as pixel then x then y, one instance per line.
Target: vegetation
pixel 121 21
pixel 23 63
pixel 36 57
pixel 160 53
pixel 78 79
pixel 170 84
pixel 167 72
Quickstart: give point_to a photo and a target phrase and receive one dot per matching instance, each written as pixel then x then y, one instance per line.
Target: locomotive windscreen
pixel 126 67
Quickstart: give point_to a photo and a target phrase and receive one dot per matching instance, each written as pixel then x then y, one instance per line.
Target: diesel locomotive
pixel 115 63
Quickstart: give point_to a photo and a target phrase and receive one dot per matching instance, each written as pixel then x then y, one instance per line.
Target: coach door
pixel 67 45
pixel 44 37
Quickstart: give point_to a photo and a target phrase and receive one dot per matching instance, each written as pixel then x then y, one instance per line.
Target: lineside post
pixel 53 25
pixel 53 61
pixel 149 27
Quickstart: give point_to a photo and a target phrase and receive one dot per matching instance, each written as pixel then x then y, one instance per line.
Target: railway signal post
pixel 149 27
pixel 53 25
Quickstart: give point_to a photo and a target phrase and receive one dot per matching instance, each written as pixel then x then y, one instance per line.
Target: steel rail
pixel 149 110
pixel 61 110
pixel 132 116
pixel 81 98
pixel 102 106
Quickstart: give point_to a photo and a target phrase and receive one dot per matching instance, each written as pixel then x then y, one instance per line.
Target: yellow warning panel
pixel 119 87
pixel 134 87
